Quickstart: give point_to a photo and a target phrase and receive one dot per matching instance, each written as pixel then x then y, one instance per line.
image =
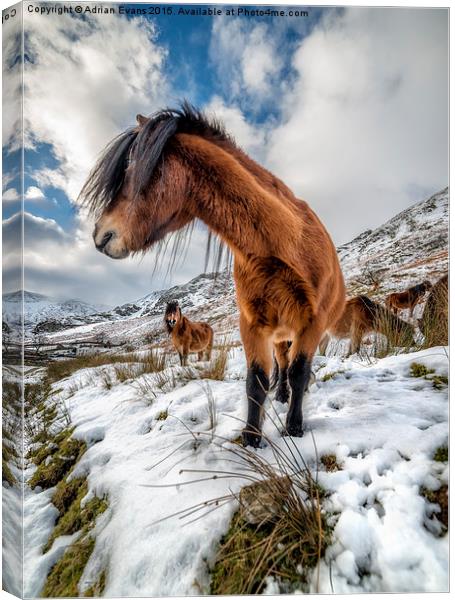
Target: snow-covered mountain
pixel 410 247
pixel 39 308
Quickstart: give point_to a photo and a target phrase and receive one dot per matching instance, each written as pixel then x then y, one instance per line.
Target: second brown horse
pixel 188 336
pixel 409 298
pixel 362 316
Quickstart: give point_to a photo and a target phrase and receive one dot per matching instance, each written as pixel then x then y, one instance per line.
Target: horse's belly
pixel 282 334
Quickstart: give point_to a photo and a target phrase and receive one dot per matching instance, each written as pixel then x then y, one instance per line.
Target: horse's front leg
pixel 299 374
pixel 259 361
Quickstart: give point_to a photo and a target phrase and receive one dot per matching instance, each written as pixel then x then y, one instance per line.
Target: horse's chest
pixel 269 291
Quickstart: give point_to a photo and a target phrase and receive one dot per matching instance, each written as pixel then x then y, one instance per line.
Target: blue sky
pixel 347 106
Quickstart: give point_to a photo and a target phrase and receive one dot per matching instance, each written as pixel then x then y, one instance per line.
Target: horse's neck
pixel 181 325
pixel 250 218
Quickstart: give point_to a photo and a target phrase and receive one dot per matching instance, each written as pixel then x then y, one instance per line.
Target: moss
pixel 49 473
pixel 249 554
pixel 73 516
pixel 96 590
pixel 441 454
pixel 330 462
pixel 439 497
pixel 419 370
pixel 329 376
pixel 64 576
pixel 7 475
pixel 439 381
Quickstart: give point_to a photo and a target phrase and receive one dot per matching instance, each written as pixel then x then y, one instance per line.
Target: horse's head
pixel 172 315
pixel 137 189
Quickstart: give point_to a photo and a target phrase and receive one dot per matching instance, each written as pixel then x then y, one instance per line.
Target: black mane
pixel 144 146
pixel 172 306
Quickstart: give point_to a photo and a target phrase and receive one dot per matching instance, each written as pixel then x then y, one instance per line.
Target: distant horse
pixel 361 316
pixel 407 299
pixel 434 323
pixel 188 336
pixel 177 166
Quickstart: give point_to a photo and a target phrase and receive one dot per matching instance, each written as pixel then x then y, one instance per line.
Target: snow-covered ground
pixel 382 424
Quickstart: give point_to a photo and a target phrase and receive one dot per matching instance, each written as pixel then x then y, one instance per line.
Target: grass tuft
pixel 440 498
pixel 439 381
pixel 63 579
pixel 441 454
pixel 65 456
pixel 330 462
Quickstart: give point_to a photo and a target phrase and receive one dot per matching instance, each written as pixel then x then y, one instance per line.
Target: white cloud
pixel 247 136
pixel 34 193
pixel 85 83
pixel 66 264
pixel 10 195
pixel 246 57
pixel 365 123
pixel 12 83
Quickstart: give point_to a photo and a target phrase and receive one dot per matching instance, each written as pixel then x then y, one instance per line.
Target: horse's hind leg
pixel 281 355
pixel 299 373
pixel 259 360
pixel 200 355
pixel 323 344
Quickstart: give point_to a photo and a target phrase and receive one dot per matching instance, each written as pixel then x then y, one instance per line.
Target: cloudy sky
pixel 348 106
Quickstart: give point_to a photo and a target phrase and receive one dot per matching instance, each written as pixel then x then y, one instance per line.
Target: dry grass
pixel 279 529
pixel 217 367
pixel 151 362
pixel 395 335
pixel 434 323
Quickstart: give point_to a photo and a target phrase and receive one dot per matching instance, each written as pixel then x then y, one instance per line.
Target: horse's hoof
pixel 249 438
pixel 282 397
pixel 294 429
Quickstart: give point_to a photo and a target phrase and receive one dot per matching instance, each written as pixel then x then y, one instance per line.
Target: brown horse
pixel 434 323
pixel 407 299
pixel 177 166
pixel 361 316
pixel 188 336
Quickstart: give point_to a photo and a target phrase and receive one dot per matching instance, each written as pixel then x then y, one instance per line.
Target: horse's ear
pixel 141 120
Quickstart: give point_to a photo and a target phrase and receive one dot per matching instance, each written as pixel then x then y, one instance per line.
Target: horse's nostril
pixel 106 238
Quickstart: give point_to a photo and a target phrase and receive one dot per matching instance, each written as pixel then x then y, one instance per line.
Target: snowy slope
pixel 209 297
pixel 407 249
pixel 38 308
pixel 382 424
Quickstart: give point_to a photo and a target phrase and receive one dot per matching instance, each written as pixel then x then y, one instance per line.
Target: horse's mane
pixel 171 306
pixel 144 146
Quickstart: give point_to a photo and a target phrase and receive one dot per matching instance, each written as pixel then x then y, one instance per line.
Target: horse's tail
pixel 368 306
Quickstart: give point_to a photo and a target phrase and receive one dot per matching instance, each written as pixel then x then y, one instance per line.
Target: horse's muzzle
pixel 101 244
pixel 109 244
pixel 171 322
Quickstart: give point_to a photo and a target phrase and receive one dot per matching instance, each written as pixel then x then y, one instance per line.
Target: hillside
pixel 409 248
pixel 39 308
